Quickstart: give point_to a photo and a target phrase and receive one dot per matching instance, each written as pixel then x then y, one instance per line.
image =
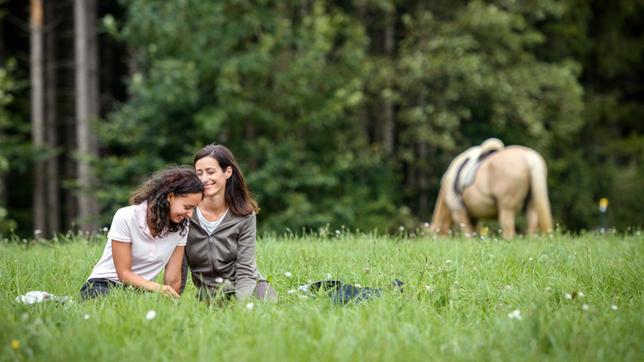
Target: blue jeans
pixel 97 287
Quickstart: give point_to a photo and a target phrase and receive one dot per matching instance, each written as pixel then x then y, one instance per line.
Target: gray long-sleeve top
pixel 225 257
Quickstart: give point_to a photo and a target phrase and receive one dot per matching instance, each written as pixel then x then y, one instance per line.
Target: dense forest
pixel 341 113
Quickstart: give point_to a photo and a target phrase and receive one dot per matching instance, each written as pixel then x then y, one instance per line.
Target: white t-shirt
pixel 209 226
pixel 149 255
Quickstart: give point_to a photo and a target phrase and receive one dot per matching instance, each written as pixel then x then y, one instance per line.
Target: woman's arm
pixel 122 255
pixel 172 275
pixel 245 279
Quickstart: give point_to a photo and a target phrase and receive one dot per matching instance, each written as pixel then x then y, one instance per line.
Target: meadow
pixel 546 298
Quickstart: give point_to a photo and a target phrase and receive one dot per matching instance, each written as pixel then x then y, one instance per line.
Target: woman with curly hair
pixel 148 236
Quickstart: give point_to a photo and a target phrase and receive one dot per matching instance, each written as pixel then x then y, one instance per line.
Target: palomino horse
pixel 492 180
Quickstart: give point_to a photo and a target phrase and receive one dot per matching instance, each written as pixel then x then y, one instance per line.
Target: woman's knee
pixel 264 291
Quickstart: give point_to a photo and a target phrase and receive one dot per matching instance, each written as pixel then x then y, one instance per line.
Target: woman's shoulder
pixel 237 220
pixel 243 218
pixel 129 212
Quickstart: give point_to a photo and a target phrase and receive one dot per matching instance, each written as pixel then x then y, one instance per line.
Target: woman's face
pixel 182 206
pixel 212 176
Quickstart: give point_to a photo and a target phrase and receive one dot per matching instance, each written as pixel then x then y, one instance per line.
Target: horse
pixel 490 181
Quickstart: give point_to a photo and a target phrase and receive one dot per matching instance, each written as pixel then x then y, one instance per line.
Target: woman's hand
pixel 168 291
pixel 122 256
pixel 165 290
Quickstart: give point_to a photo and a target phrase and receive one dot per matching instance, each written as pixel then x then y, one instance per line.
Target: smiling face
pixel 212 176
pixel 182 206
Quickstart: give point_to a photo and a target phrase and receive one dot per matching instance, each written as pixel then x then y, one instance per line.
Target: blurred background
pixel 342 114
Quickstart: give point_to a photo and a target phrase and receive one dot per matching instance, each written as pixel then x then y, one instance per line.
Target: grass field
pixel 560 298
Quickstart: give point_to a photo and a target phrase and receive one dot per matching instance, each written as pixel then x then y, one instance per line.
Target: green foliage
pixel 282 93
pixel 471 72
pixel 578 298
pixel 295 90
pixel 604 158
pixel 8 144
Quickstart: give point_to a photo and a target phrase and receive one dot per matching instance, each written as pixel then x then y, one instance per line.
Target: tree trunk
pixel 423 182
pixel 387 104
pixel 38 113
pixel 86 109
pixel 3 180
pixel 423 165
pixel 363 111
pixel 92 63
pixel 251 135
pixel 53 177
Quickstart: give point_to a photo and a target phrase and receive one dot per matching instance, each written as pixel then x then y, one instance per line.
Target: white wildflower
pixel 358 286
pixel 585 307
pixel 219 280
pixel 448 261
pixel 150 315
pixel 580 294
pixel 401 228
pixel 568 296
pixel 86 316
pixel 250 306
pixel 516 314
pixel 288 274
pixel 328 276
pixel 426 224
pixel 291 291
pixel 429 288
pixel 613 307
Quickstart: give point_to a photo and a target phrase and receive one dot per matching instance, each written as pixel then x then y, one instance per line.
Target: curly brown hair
pixel 176 180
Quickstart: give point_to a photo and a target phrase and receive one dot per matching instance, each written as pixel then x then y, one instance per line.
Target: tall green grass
pixel 578 298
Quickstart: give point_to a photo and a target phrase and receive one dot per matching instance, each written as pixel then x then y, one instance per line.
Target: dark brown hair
pixel 177 180
pixel 238 197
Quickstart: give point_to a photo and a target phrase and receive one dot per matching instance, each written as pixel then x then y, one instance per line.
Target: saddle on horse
pixel 462 170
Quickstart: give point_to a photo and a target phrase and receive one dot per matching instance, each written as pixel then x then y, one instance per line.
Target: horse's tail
pixel 441 218
pixel 539 191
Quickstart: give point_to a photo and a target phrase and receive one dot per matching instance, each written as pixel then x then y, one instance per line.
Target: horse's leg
pixel 441 219
pixel 532 217
pixel 463 220
pixel 506 219
pixel 445 225
pixel 476 225
pixel 442 226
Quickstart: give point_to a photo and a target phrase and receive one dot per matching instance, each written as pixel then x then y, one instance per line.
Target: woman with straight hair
pixel 148 236
pixel 221 242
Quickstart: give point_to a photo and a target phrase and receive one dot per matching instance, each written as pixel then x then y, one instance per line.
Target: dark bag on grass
pixel 341 293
